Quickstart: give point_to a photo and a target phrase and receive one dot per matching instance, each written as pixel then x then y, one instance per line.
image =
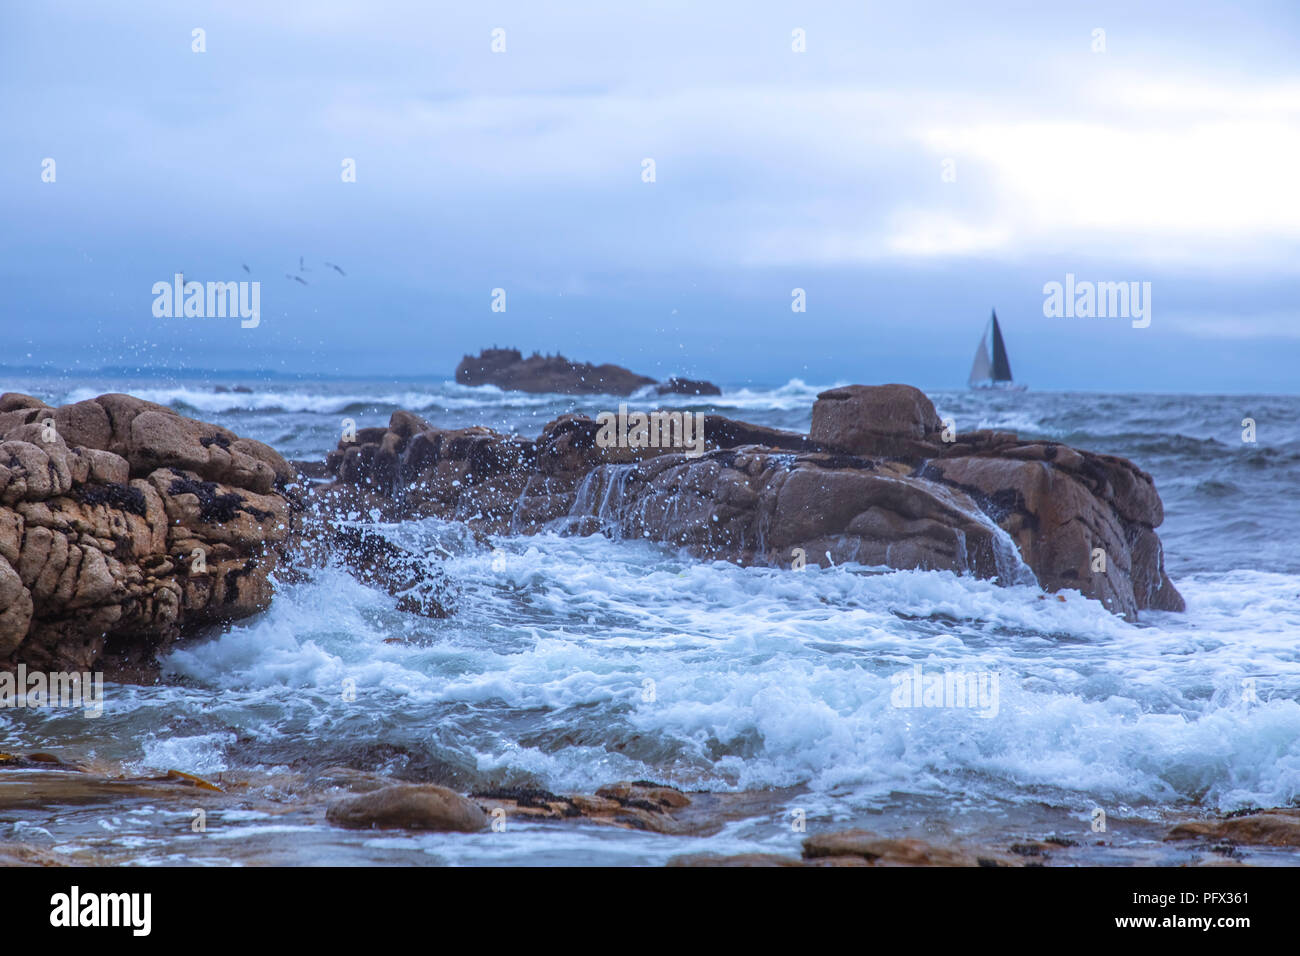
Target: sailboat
pixel 995 372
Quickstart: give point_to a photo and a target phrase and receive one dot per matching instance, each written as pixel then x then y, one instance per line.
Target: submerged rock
pixel 124 524
pixel 879 481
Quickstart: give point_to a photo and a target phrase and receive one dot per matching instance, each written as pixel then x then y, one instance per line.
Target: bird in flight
pixel 246 269
pixel 301 267
pixel 336 268
pixel 295 278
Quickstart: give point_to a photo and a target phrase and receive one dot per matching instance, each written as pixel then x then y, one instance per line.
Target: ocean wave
pixel 768 678
pixel 207 401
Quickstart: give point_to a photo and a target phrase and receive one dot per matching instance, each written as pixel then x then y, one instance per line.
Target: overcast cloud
pixel 1173 157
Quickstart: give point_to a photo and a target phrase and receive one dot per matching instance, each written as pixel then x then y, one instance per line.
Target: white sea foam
pixel 209 401
pixel 768 677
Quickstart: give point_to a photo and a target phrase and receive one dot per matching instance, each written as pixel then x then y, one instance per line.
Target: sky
pixel 914 166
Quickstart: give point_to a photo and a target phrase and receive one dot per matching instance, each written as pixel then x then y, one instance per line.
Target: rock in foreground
pixel 879 481
pixel 123 524
pixel 1279 827
pixel 410 807
pixel 859 848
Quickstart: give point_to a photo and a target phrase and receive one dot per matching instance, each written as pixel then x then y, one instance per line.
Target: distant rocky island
pixel 508 369
pixel 687 386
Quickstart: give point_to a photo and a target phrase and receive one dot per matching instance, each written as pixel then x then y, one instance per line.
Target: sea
pixel 574 662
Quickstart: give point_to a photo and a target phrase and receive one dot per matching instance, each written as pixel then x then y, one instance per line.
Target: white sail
pixel 982 369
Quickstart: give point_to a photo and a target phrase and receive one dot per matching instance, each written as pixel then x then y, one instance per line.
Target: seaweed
pixel 115 495
pixel 212 506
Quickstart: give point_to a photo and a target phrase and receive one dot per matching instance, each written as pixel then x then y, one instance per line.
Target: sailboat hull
pixel 998 387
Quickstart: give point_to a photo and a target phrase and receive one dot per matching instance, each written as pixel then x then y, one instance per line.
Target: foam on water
pixel 209 401
pixel 765 677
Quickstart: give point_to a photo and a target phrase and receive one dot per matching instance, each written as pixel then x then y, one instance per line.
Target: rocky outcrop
pixel 686 386
pixel 508 369
pixel 878 481
pixel 123 524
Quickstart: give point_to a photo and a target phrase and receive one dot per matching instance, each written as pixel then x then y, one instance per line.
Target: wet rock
pixel 1080 520
pixel 415 579
pixel 876 483
pixel 410 807
pixel 1279 827
pixel 24 854
pixel 863 845
pixel 124 524
pixel 641 805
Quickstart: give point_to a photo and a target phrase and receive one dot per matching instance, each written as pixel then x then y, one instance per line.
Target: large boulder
pixel 122 524
pixel 876 420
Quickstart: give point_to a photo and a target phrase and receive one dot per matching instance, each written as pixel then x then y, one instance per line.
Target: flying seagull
pixel 336 268
pixel 301 267
pixel 246 269
pixel 295 278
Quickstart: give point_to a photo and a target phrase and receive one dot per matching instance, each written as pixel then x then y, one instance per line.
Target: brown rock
pixel 1059 505
pixel 875 420
pixel 874 483
pixel 739 860
pixel 24 854
pixel 85 424
pixel 95 564
pixel 1267 828
pixel 17 401
pixel 409 807
pixel 882 851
